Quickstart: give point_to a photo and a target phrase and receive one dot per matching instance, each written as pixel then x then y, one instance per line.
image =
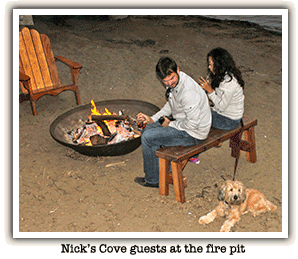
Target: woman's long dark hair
pixel 223 65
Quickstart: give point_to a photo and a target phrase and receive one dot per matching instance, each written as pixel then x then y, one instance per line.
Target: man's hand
pixel 143 118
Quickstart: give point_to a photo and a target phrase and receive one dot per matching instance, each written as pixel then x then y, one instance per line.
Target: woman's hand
pixel 205 85
pixel 143 118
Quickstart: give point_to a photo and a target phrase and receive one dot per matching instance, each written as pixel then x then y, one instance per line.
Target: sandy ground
pixel 61 190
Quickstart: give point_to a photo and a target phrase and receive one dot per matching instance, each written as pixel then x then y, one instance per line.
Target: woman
pixel 225 89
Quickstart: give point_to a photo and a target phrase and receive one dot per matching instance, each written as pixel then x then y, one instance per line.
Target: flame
pixel 94 110
pixel 110 123
pixel 93 129
pixel 99 130
pixel 88 142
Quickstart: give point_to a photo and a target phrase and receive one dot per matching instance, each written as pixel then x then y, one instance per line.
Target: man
pixel 188 104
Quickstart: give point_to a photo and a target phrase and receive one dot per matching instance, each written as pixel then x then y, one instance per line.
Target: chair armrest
pixel 23 77
pixel 69 62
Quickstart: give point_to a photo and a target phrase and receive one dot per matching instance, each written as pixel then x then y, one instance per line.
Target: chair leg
pixel 78 98
pixel 33 107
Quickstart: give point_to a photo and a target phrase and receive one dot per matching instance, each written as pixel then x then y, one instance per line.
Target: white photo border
pixel 285 122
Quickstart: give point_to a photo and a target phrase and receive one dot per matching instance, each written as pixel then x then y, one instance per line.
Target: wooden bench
pixel 178 156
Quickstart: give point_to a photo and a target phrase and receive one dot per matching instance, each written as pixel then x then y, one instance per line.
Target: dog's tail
pixel 271 206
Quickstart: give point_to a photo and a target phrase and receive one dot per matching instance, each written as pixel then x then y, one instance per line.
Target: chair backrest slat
pixel 31 57
pixel 50 59
pixel 24 60
pixel 37 59
pixel 41 58
pixel 21 68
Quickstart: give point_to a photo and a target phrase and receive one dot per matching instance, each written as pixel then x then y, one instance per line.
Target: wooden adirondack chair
pixel 38 73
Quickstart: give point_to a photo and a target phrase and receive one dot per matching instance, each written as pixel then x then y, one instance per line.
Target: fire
pixel 110 124
pixel 119 130
pixel 94 110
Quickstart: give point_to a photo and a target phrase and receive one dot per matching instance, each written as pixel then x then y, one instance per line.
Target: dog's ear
pixel 221 193
pixel 243 194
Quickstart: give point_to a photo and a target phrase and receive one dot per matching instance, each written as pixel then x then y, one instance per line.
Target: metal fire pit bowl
pixel 76 117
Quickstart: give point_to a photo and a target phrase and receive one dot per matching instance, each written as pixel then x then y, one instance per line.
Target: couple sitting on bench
pixel 188 104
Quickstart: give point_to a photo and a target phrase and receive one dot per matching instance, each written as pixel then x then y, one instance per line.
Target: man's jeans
pixel 222 122
pixel 154 136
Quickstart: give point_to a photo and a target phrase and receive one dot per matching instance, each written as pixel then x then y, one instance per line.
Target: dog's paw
pixel 272 207
pixel 226 227
pixel 204 220
pixel 223 229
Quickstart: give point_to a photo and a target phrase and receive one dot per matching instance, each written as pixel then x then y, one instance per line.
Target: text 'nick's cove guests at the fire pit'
pixel 156 249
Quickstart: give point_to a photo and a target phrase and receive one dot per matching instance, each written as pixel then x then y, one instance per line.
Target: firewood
pixel 108 117
pixel 133 125
pixel 98 140
pixel 104 127
pixel 112 136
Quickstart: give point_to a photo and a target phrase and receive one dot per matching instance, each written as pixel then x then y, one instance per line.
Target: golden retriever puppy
pixel 235 200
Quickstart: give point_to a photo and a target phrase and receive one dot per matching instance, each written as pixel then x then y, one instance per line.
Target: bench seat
pixel 178 156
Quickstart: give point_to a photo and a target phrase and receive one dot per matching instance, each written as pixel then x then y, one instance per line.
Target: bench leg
pixel 163 177
pixel 178 182
pixel 234 142
pixel 176 178
pixel 248 145
pixel 249 135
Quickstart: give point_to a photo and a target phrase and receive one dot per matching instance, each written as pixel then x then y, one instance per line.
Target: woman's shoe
pixel 195 160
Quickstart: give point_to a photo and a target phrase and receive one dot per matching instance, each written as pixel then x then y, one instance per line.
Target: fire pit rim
pixel 91 149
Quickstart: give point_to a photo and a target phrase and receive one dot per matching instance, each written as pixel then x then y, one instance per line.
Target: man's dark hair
pixel 223 64
pixel 165 66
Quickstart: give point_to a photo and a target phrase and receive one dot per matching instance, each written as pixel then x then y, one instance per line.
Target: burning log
pixel 104 127
pixel 99 118
pixel 88 130
pixel 133 125
pixel 108 117
pixel 98 140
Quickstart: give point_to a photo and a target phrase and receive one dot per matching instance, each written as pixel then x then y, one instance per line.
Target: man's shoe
pixel 141 181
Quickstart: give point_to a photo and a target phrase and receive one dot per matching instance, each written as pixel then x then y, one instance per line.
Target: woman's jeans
pixel 155 136
pixel 222 122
